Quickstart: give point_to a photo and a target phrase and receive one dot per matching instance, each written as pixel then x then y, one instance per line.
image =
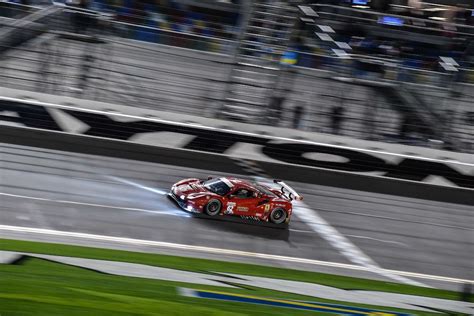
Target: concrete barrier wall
pixel 222 163
pixel 270 131
pixel 257 146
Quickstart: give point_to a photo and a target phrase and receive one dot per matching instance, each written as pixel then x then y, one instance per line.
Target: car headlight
pixel 194 196
pixel 182 197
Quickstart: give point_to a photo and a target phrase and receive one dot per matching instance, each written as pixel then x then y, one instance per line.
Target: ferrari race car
pixel 236 197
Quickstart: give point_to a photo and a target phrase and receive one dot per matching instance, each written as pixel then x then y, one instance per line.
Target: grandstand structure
pixel 256 69
pixel 387 83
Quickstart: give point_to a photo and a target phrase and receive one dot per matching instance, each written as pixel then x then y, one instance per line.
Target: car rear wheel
pixel 278 216
pixel 213 208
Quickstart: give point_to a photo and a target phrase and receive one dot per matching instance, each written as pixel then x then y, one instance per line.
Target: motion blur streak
pixel 137 185
pixel 220 251
pixel 173 213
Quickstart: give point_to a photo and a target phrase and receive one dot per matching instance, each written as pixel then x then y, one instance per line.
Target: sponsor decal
pixel 308 306
pixel 228 280
pixel 211 141
pixel 242 209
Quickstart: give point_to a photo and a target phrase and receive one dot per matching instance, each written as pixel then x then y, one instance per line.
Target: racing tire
pixel 213 208
pixel 278 216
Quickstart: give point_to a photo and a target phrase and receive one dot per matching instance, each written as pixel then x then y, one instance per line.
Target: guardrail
pixel 191 81
pixel 15 10
pixel 394 69
pixel 172 38
pixel 162 78
pixel 208 148
pixel 413 24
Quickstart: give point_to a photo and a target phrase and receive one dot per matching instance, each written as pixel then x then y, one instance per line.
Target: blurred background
pixel 104 104
pixel 399 71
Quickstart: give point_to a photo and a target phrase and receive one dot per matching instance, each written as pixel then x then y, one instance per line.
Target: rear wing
pixel 288 191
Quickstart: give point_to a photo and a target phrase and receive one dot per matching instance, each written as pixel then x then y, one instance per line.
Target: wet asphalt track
pixel 123 198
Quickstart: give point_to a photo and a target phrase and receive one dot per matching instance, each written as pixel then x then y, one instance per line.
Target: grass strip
pixel 41 287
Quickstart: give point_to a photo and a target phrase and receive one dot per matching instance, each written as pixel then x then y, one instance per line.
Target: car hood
pixel 189 187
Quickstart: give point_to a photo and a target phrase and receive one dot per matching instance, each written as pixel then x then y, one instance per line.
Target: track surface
pixel 125 198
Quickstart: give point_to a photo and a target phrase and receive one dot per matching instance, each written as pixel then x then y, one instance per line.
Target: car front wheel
pixel 278 216
pixel 213 208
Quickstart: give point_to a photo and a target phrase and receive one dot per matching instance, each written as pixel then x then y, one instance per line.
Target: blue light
pixel 391 20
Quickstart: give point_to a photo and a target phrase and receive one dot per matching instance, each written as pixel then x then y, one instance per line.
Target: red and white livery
pixel 236 197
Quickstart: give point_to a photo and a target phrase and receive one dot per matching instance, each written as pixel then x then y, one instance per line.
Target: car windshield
pixel 217 186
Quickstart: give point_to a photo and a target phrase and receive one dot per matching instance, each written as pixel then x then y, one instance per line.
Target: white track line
pixel 379 240
pixel 91 204
pixel 336 239
pixel 220 251
pixel 344 245
pixel 354 236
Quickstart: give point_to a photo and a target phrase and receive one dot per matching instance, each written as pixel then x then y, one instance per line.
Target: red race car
pixel 231 196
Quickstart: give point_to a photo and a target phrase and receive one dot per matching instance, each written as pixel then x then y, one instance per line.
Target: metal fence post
pixel 246 10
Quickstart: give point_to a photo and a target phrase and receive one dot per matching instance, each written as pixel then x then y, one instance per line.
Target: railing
pixel 411 24
pixel 368 22
pixel 172 38
pixel 15 11
pixel 111 67
pixel 393 69
pixel 115 70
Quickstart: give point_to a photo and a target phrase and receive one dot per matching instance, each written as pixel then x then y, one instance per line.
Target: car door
pixel 242 202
